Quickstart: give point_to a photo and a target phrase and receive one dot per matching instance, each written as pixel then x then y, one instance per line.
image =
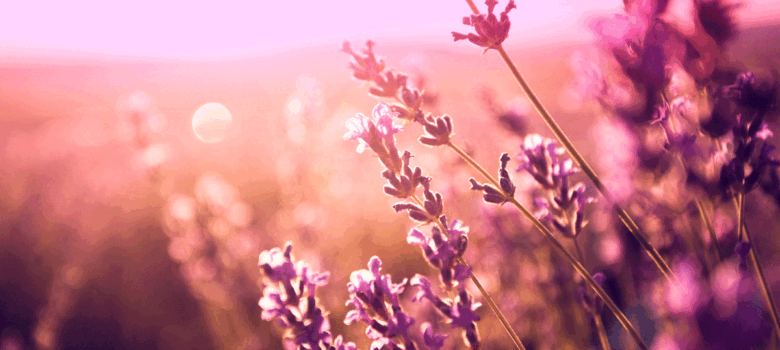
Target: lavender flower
pixel 365 65
pixel 589 299
pixel 296 308
pixel 432 208
pixel 442 252
pixel 459 311
pixel 733 176
pixel 376 303
pixel 493 195
pixel 491 31
pixel 377 134
pixel 564 205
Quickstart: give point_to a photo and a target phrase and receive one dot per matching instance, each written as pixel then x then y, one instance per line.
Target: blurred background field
pixel 106 193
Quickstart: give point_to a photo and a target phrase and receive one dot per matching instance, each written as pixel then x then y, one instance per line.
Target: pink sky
pixel 166 28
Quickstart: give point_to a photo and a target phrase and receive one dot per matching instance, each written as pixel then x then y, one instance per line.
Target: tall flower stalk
pixel 495 32
pixel 438 132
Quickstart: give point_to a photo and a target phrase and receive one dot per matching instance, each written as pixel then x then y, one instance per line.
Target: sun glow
pixel 211 122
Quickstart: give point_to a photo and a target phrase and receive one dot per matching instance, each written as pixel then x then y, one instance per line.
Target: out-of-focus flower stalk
pixel 557 244
pixel 488 299
pixel 602 333
pixel 624 217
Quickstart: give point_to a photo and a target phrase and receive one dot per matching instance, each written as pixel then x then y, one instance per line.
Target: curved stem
pixel 624 217
pixel 577 266
pixel 485 295
pixel 584 273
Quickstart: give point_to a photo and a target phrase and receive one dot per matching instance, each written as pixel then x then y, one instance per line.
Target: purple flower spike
pixel 378 134
pixel 442 250
pixel 369 290
pixel 277 265
pixel 365 65
pixel 492 194
pixel 460 311
pixel 297 310
pixel 491 31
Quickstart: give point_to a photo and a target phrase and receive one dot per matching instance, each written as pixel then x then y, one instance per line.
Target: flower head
pixel 491 31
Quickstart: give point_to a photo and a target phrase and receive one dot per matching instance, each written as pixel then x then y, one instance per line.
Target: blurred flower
pixel 432 340
pixel 491 31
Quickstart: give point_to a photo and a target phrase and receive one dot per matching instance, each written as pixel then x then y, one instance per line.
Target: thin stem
pixel 584 273
pixel 485 295
pixel 753 257
pixel 624 217
pixel 602 333
pixel 740 203
pixel 580 256
pixel 577 266
pixel 710 229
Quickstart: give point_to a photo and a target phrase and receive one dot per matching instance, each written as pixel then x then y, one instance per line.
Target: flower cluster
pixel 389 84
pixel 442 251
pixel 564 205
pixel 447 242
pixel 491 31
pixel 443 248
pixel 459 310
pixel 756 101
pixel 378 134
pixel 376 302
pixel 492 194
pixel 289 299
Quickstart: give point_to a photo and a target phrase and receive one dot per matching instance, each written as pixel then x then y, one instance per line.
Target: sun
pixel 211 122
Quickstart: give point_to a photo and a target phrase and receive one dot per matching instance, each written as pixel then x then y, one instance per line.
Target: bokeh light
pixel 212 122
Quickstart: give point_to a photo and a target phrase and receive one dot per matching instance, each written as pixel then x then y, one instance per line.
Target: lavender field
pixel 469 189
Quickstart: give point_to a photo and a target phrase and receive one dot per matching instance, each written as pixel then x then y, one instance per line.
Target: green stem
pixel 624 217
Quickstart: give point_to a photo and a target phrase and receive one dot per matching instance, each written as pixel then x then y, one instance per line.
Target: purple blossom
pixel 442 252
pixel 365 65
pixel 339 344
pixel 540 158
pixel 272 305
pixel 277 264
pixel 370 293
pixel 460 311
pixel 371 132
pixel 493 195
pixel 359 129
pixel 491 31
pixel 296 310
